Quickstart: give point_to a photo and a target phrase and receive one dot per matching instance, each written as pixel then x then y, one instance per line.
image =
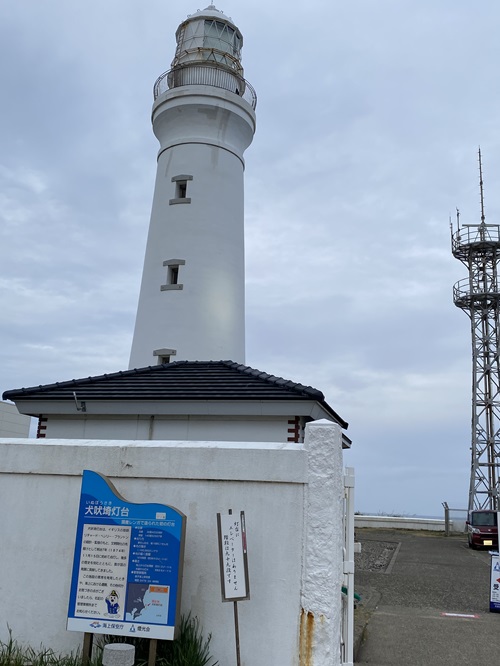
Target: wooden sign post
pixel 233 559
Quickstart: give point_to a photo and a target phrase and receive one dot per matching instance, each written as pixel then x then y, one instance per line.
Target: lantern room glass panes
pixel 222 37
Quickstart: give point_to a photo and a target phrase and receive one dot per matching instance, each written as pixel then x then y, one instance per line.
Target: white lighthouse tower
pixel 192 302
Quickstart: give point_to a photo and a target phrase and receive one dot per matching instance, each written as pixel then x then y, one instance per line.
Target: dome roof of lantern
pixel 210 12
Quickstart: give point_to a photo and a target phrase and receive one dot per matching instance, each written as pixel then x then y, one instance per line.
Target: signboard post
pixel 233 559
pixel 495 583
pixel 127 568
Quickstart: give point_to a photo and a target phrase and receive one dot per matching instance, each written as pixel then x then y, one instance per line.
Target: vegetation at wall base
pixel 14 654
pixel 190 649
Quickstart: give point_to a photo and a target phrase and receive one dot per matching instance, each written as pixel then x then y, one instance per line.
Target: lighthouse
pixel 192 297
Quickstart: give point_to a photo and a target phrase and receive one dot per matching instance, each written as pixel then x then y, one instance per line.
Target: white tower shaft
pixel 191 303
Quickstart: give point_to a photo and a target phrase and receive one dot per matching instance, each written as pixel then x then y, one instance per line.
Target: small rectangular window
pixel 181 189
pixel 173 274
pixel 173 268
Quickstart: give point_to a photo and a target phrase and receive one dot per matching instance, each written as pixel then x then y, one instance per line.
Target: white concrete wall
pixel 456 526
pixel 400 523
pixel 292 498
pixel 13 424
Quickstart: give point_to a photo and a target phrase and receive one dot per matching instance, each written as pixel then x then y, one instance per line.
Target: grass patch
pixel 190 649
pixel 14 654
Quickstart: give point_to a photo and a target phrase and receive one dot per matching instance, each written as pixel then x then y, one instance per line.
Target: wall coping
pixel 275 463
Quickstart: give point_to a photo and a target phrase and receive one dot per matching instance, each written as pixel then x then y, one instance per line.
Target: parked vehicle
pixel 482 529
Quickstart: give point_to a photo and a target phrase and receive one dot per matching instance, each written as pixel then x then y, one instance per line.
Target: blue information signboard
pixel 127 568
pixel 495 583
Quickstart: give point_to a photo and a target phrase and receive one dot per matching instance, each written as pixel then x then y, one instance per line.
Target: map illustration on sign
pixel 127 568
pixel 147 603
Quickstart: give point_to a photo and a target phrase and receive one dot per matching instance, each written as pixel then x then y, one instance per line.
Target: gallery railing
pixel 205 75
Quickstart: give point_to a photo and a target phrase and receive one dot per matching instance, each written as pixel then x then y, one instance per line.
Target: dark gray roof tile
pixel 182 380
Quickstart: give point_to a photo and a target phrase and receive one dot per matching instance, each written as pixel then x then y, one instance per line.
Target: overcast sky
pixel 369 118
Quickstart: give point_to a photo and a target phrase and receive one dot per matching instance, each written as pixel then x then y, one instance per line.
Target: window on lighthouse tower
pixel 181 189
pixel 173 274
pixel 181 186
pixel 173 266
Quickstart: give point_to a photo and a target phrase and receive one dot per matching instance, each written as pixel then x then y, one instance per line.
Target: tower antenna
pixel 481 185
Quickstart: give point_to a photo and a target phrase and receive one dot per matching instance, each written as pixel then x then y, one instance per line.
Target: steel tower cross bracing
pixel 477 246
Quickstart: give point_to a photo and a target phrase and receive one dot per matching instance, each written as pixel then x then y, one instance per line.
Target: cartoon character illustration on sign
pixel 112 603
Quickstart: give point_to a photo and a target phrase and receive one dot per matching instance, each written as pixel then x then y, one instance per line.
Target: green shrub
pixel 190 649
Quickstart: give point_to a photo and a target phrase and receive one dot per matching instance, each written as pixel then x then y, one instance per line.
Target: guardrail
pixel 205 75
pixel 456 524
pixel 478 291
pixel 474 234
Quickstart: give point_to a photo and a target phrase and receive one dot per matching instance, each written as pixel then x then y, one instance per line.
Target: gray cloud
pixel 369 118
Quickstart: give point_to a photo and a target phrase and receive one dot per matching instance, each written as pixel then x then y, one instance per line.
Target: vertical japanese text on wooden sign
pixel 233 556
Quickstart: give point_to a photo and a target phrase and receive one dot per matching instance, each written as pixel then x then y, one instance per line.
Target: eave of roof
pixel 179 381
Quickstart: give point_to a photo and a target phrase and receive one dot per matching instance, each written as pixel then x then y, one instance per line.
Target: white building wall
pixel 142 427
pixel 13 424
pixel 292 498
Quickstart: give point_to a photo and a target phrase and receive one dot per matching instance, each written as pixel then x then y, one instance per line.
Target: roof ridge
pixel 99 378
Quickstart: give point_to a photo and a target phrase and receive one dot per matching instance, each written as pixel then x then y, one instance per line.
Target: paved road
pixel 416 590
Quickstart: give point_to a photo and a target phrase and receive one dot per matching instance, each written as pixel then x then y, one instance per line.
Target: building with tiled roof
pixel 185 400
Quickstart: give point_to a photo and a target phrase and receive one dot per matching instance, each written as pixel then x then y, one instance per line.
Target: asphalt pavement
pixel 424 601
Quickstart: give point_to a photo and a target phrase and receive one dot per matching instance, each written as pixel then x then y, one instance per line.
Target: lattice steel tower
pixel 477 246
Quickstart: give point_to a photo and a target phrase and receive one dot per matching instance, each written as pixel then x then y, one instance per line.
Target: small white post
pixel 118 654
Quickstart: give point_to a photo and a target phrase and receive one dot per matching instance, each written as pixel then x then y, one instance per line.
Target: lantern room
pixel 209 36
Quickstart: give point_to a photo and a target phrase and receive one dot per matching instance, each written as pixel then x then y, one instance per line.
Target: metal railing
pixel 475 235
pixel 347 628
pixel 205 75
pixel 465 293
pixel 457 525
